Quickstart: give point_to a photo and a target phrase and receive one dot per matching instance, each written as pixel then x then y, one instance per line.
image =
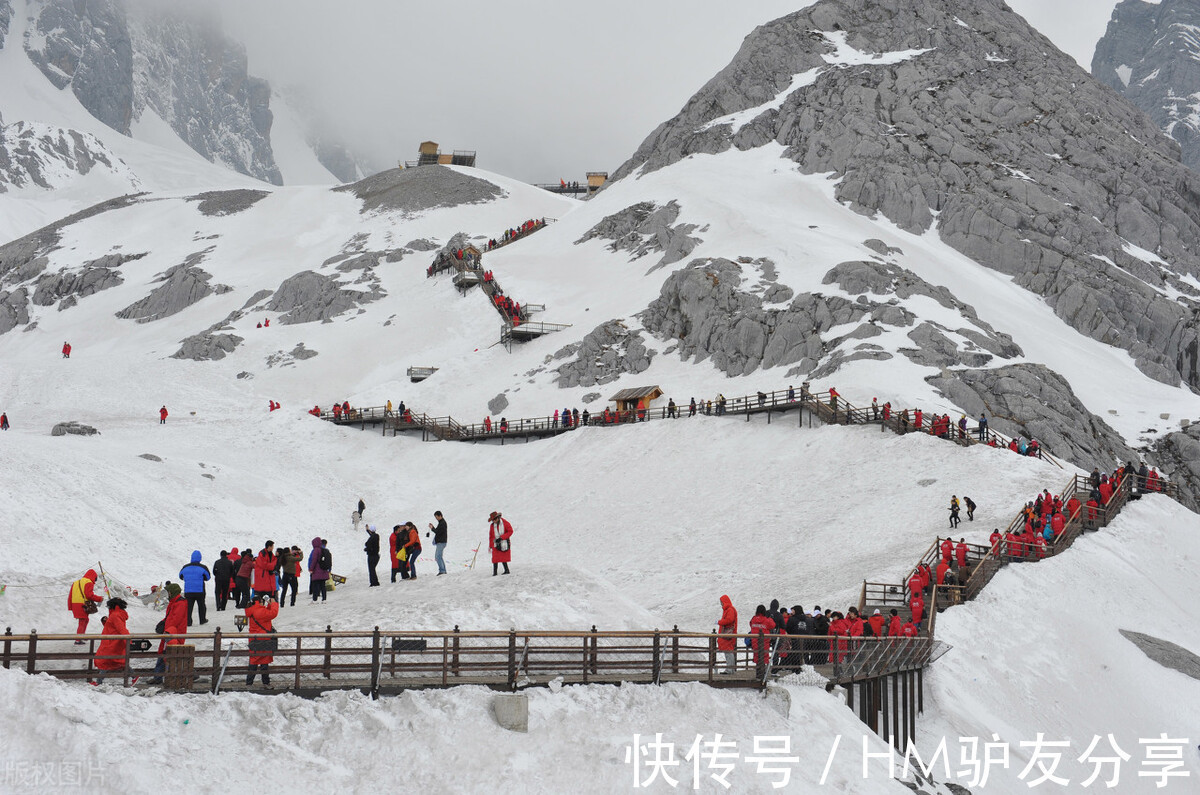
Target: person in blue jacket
pixel 194 575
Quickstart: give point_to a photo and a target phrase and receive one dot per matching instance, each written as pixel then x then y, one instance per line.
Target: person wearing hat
pixel 110 656
pixel 81 601
pixel 877 623
pixel 372 550
pixel 499 533
pixel 174 623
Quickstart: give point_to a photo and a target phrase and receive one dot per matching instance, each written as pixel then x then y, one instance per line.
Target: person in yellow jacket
pixel 82 601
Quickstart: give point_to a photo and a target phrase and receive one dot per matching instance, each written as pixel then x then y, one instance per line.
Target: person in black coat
pixel 372 550
pixel 818 625
pixel 439 541
pixel 223 574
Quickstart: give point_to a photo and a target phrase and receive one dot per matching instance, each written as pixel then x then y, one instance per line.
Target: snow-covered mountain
pixel 123 80
pixel 923 202
pixel 1150 54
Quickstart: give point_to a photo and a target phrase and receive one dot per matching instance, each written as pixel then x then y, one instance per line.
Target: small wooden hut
pixel 638 397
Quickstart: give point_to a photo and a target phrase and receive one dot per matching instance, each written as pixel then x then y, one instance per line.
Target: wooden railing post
pixel 216 654
pixel 592 655
pixel 31 663
pixel 454 658
pixel 512 659
pixel 656 665
pixel 712 655
pixel 297 679
pixel 675 650
pixel 7 645
pixel 376 652
pixel 328 662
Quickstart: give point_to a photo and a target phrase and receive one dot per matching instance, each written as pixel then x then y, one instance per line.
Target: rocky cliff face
pixel 46 157
pixel 956 115
pixel 120 59
pixel 5 17
pixel 196 79
pixel 1151 55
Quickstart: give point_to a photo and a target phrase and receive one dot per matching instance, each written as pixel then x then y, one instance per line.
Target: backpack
pixel 326 561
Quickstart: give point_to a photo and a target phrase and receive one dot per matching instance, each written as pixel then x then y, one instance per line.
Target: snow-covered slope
pixel 724 271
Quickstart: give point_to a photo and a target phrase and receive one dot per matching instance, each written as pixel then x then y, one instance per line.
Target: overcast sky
pixel 542 89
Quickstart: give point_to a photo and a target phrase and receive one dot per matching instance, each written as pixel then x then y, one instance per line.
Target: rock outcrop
pixel 1150 54
pixel 959 108
pixel 5 18
pixel 1033 401
pixel 47 157
pixel 604 355
pixel 1177 455
pixel 644 228
pixel 708 308
pixel 1165 653
pixel 415 190
pixel 182 286
pixel 227 202
pixel 122 60
pixel 310 297
pixel 211 344
pixel 73 428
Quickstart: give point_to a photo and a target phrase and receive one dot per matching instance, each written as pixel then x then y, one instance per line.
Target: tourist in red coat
pixel 839 628
pixel 909 630
pixel 264 571
pixel 761 624
pixel 727 625
pixel 947 549
pixel 110 656
pixel 174 623
pixel 82 592
pixel 943 567
pixel 917 606
pixel 499 533
pixel 1058 523
pixel 878 623
pixel 1072 508
pixel 995 541
pixel 916 583
pixel 262 645
pixel 1106 491
pixel 960 552
pixel 894 624
pixel 162 416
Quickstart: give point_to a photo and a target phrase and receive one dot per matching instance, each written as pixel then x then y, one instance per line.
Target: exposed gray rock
pixel 150 457
pixel 74 429
pixel 309 297
pixel 300 352
pixel 39 155
pixel 1033 169
pixel 590 397
pixel 1036 402
pixel 258 297
pixel 96 275
pixel 1177 455
pixel 86 46
pixel 421 244
pixel 209 345
pixel 1151 56
pixel 415 190
pixel 644 228
pixel 289 358
pixel 181 287
pixel 361 262
pixel 5 16
pixel 227 202
pixel 14 309
pixel 881 248
pixel 604 355
pixel 497 404
pixel 1165 653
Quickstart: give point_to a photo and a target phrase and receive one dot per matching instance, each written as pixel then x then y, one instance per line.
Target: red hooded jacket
pixel 727 625
pixel 110 656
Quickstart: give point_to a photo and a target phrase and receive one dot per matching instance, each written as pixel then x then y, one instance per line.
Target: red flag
pixel 561 184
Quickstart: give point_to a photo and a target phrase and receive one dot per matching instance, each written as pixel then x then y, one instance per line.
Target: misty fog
pixel 542 89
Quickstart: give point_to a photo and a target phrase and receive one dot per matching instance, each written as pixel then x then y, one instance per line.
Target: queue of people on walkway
pixel 516 233
pixel 789 638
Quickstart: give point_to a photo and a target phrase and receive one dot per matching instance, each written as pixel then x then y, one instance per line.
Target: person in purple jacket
pixel 320 562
